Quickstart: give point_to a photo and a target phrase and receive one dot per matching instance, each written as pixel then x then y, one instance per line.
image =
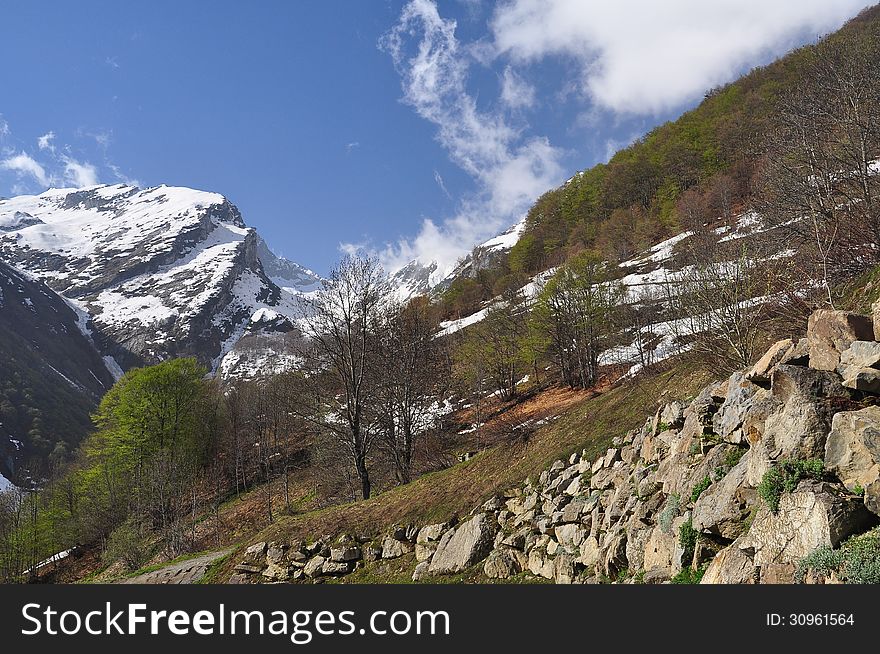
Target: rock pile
pixel 679 494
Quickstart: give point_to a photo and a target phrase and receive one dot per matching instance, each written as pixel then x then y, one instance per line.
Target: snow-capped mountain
pixel 287 274
pixel 416 278
pixel 160 272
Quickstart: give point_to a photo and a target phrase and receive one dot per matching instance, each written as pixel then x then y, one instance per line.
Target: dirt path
pixel 184 572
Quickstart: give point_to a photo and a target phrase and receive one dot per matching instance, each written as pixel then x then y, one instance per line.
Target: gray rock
pixel 336 568
pixel 468 544
pixel 345 553
pixel 730 566
pixel 393 548
pixel 861 354
pixel 570 536
pixel 421 571
pixel 540 564
pixel 830 332
pixel 314 568
pixel 656 576
pixel 817 514
pixel 564 569
pixel 503 563
pixel 862 379
pixel 852 452
pixel 255 553
pixel 722 508
pixel 760 372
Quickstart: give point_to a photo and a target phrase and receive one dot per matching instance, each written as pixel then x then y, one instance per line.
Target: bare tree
pixel 414 381
pixel 819 179
pixel 344 322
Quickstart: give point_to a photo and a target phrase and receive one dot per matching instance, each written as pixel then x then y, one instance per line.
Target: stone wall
pixel 681 492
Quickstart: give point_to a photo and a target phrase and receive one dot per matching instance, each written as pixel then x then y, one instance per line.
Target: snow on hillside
pixel 5 484
pixel 643 277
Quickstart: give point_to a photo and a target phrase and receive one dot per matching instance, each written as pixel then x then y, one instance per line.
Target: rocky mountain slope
pixel 770 476
pixel 51 377
pixel 161 272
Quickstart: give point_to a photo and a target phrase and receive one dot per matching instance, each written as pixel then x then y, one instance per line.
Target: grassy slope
pixel 590 424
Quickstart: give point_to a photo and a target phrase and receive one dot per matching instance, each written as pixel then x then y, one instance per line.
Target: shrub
pixel 699 488
pixel 689 575
pixel 856 562
pixel 687 539
pixel 784 478
pixel 127 543
pixel 668 514
pixel 732 458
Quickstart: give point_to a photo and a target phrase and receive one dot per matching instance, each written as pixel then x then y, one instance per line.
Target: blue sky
pixel 410 129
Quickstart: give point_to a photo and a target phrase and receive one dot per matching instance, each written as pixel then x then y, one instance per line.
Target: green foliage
pixel 690 576
pixel 784 478
pixel 128 543
pixel 856 562
pixel 732 458
pixel 669 513
pixel 700 487
pixel 858 489
pixel 687 539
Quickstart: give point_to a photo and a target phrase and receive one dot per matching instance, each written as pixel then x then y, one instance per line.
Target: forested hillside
pixel 709 164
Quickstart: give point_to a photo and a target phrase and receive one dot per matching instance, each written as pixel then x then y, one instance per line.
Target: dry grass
pixel 585 421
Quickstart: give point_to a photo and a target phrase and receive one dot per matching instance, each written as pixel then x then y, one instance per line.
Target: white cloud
pixel 438 178
pixel 351 146
pixel 45 141
pixel 647 57
pixel 25 166
pixel 510 170
pixel 79 173
pixel 516 93
pixel 4 128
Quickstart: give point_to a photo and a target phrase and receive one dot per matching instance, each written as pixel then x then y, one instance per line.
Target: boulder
pixel 796 382
pixel 570 536
pixel 468 544
pixel 564 569
pixel 540 564
pixel 861 354
pixel 393 548
pixel 797 430
pixel 742 396
pixel 760 372
pixel 672 415
pixel 614 555
pixel 862 379
pixel 590 552
pixel 852 452
pixel 778 573
pixel 345 553
pixel 730 566
pixel 336 568
pixel 425 552
pixel 421 571
pixel 314 568
pixel 830 332
pixel 875 314
pixel 656 576
pixel 816 514
pixel 722 507
pixel 433 533
pixel 256 554
pixel 503 563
